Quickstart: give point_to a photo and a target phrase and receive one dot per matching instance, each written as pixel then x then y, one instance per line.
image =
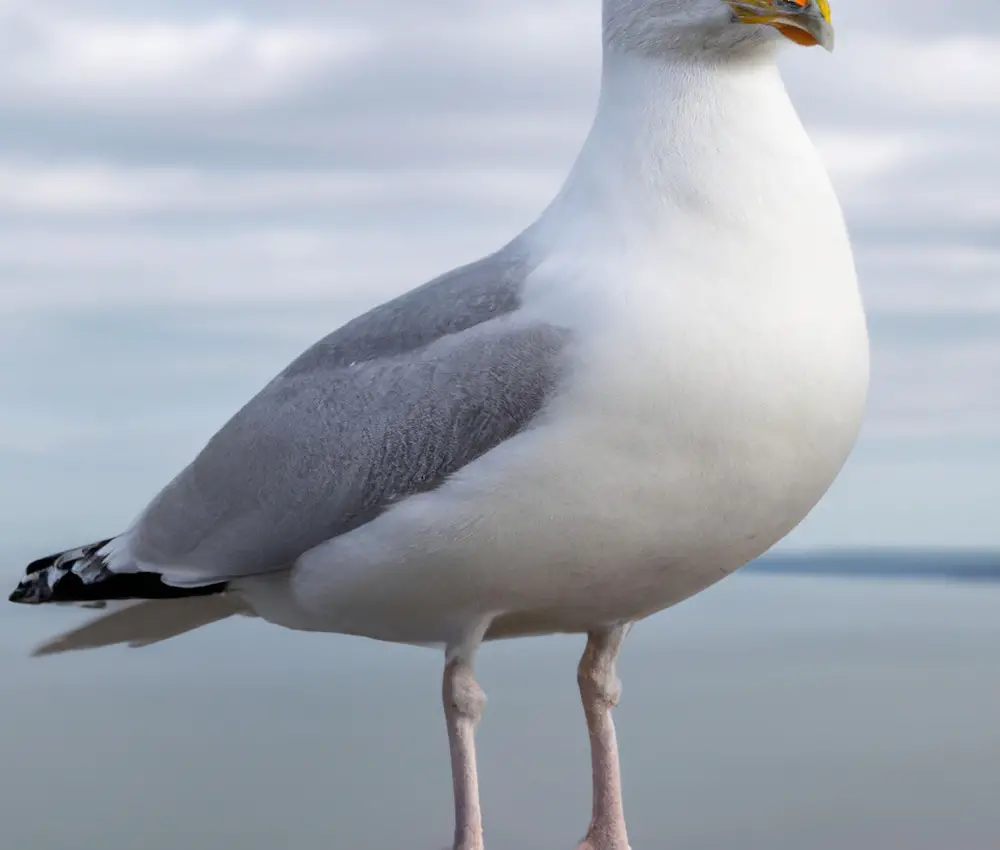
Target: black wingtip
pixel 82 552
pixel 40 564
pixel 69 587
pixel 39 584
pixel 57 578
pixel 28 592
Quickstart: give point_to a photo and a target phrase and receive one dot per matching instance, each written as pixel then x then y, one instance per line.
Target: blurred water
pixel 769 712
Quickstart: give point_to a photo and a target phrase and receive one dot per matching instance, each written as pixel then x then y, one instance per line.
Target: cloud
pixel 191 191
pixel 858 157
pixel 97 190
pixel 80 62
pixel 938 280
pixel 949 74
pixel 73 57
pixel 53 270
pixel 938 389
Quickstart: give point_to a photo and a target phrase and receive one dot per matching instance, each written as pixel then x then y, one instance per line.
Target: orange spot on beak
pixel 795 34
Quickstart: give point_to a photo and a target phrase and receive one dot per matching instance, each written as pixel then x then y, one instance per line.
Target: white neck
pixel 689 133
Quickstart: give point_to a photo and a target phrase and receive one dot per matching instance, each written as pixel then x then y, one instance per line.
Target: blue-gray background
pixel 191 192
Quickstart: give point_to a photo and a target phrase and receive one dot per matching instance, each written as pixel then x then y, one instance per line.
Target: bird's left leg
pixel 600 691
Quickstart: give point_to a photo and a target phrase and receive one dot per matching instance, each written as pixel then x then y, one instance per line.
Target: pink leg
pixel 600 691
pixel 463 706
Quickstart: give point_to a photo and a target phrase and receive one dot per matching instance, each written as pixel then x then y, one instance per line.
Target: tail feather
pixel 146 622
pixel 84 575
pixel 144 608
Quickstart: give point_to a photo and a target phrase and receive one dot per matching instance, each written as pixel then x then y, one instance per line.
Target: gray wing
pixel 453 302
pixel 387 406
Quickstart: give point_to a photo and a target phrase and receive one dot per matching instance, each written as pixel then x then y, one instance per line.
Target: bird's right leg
pixel 600 691
pixel 463 706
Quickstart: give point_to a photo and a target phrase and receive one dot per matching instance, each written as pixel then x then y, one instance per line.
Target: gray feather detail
pixel 324 449
pixel 455 301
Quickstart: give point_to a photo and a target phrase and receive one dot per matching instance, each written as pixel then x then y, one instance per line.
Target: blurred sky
pixel 192 191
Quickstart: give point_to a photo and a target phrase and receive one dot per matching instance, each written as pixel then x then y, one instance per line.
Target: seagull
pixel 647 388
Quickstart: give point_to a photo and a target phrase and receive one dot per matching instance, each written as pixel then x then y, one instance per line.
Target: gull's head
pixel 693 26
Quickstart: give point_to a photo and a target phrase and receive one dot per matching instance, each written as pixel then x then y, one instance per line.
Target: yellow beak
pixel 803 21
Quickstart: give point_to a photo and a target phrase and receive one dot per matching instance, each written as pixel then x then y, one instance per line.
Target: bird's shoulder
pixel 455 301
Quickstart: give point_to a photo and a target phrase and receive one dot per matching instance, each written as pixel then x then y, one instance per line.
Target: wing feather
pixel 321 451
